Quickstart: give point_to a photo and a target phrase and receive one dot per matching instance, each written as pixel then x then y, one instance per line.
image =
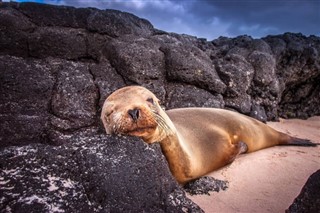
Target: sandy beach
pixel 267 180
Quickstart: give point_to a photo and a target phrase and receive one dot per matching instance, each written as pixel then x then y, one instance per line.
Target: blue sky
pixel 213 18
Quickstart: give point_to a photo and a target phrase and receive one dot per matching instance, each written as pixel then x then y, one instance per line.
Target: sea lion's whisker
pixel 161 122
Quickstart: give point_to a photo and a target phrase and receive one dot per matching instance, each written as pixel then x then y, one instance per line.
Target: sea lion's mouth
pixel 139 130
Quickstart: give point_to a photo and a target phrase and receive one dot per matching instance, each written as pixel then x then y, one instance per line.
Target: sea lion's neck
pixel 177 157
pixel 176 153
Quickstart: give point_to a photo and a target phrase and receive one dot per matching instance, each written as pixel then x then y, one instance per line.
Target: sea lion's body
pixel 213 138
pixel 195 141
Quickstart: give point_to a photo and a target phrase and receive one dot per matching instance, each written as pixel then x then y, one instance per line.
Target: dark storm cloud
pixel 214 18
pixel 262 17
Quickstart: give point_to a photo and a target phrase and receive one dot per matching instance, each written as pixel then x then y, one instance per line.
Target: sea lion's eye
pixel 150 100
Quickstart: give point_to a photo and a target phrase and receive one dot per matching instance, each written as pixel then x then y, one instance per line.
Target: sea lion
pixel 195 141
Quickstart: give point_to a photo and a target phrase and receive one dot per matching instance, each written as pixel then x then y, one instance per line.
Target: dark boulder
pixel 74 96
pixel 89 174
pixel 191 96
pixel 309 198
pixel 297 70
pixel 190 65
pixel 25 97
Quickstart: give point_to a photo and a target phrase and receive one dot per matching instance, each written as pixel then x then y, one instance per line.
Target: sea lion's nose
pixel 134 113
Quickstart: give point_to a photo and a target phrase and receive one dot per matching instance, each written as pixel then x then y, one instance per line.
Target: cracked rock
pixel 74 96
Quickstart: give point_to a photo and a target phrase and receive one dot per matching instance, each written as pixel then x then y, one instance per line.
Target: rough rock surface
pixel 56 71
pixel 309 198
pixel 92 173
pixel 205 185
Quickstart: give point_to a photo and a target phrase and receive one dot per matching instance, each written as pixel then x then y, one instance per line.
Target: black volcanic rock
pixel 191 96
pixel 57 42
pixel 115 23
pixel 237 74
pixel 137 60
pixel 74 98
pixel 190 65
pixel 248 73
pixel 25 96
pixel 309 198
pixel 57 66
pixel 297 71
pixel 94 173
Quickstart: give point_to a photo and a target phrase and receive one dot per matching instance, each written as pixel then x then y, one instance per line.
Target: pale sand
pixel 267 180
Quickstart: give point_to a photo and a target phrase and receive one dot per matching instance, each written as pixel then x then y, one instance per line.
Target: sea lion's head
pixel 134 111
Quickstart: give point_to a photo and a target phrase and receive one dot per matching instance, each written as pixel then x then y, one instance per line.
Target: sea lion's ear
pixel 158 102
pixel 161 105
